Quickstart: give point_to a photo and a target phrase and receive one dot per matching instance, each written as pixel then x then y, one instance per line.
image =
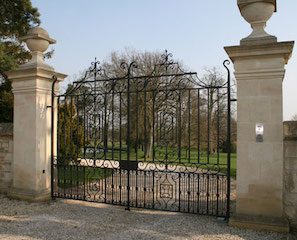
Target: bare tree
pixel 167 108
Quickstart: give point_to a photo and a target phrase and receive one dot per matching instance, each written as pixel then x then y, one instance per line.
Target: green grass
pixel 210 161
pixel 71 176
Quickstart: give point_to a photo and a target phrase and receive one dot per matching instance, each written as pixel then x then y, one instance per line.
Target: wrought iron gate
pixel 157 140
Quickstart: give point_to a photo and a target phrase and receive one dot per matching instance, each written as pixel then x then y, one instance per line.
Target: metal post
pixel 227 62
pixel 134 65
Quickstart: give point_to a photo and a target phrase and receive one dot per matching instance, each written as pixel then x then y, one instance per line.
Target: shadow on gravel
pixel 69 219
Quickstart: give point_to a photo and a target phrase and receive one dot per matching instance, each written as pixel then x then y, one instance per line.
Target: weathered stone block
pixel 290 199
pixel 290 130
pixel 291 164
pixel 290 149
pixel 6 145
pixel 10 149
pixel 290 181
pixel 291 212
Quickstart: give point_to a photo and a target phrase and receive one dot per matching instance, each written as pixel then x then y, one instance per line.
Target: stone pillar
pixel 32 87
pixel 259 64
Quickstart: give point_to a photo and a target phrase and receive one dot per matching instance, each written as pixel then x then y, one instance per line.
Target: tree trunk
pixel 149 144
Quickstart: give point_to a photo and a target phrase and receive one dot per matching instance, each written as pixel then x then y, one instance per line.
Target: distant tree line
pixel 163 110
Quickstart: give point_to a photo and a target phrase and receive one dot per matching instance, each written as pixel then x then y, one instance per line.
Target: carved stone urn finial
pixel 37 40
pixel 257 13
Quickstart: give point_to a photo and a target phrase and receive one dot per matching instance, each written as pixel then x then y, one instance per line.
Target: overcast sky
pixel 195 31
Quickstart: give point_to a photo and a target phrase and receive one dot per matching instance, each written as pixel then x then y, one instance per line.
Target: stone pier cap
pixel 283 49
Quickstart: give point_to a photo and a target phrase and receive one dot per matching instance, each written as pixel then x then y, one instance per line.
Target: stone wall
pixel 6 149
pixel 290 172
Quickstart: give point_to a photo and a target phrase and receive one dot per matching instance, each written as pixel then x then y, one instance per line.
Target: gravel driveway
pixel 69 219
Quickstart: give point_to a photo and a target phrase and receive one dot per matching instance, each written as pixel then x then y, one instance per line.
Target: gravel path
pixel 69 219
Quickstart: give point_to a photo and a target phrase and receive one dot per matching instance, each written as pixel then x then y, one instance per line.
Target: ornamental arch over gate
pixel 144 140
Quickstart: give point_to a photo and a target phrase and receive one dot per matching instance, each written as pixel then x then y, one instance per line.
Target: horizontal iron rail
pixel 138 77
pixel 140 91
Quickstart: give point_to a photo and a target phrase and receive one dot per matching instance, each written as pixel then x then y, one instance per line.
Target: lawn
pixel 205 160
pixel 72 175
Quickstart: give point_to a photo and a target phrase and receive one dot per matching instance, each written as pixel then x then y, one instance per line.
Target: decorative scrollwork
pixel 143 140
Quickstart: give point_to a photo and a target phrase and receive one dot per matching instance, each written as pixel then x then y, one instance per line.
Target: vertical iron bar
pixel 128 137
pixel 112 186
pixel 189 190
pixel 218 125
pixel 71 147
pixel 228 138
pixel 88 131
pixel 154 99
pixel 99 125
pixel 112 122
pixel 172 128
pixel 84 107
pixel 137 137
pixel 145 127
pixel 78 145
pixel 105 185
pixel 198 117
pixel 198 194
pixel 185 191
pixel 144 189
pixel 95 129
pixel 105 126
pixel 153 206
pixel 58 145
pixel 120 186
pixel 180 126
pixel 120 126
pixel 165 134
pixel 65 147
pixel 84 182
pixel 176 123
pixel 157 126
pixel 179 192
pixel 217 191
pixel 189 125
pixel 136 188
pixel 207 195
pixel 208 125
pixel 102 128
pixel 65 112
pixel 64 181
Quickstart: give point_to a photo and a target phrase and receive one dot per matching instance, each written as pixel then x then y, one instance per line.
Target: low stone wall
pixel 290 172
pixel 6 149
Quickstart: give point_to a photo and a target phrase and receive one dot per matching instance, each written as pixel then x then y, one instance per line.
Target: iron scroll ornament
pixel 116 120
